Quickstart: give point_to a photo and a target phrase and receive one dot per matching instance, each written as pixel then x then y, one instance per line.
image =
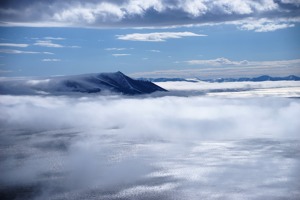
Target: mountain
pixel 220 80
pixel 255 79
pixel 88 83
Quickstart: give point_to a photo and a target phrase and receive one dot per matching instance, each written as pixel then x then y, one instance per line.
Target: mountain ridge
pixel 104 83
pixel 220 80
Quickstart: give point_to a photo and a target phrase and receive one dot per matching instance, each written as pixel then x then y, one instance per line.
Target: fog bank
pixel 171 147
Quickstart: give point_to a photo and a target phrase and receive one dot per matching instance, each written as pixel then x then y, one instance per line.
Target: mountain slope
pixel 88 83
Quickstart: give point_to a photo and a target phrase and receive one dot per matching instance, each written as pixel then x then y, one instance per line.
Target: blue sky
pixel 150 38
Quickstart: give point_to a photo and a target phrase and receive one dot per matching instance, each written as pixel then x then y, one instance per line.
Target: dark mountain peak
pixel 118 72
pixel 115 82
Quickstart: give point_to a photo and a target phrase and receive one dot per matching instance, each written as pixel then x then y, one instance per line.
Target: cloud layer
pixel 149 148
pixel 261 15
pixel 226 62
pixel 157 36
pixel 224 67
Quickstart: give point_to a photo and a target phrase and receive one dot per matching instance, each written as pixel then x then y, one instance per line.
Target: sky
pixel 158 38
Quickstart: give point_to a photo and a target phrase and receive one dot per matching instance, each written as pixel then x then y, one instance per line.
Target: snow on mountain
pixel 88 83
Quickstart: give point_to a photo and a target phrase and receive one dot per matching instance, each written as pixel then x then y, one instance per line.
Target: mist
pixel 169 147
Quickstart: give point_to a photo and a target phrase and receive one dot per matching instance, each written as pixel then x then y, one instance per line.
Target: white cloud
pixel 89 13
pixel 235 89
pixel 50 44
pixel 242 7
pixel 143 13
pixel 74 46
pixel 217 62
pixel 294 2
pixel 225 61
pixel 12 51
pixel 49 53
pixel 51 60
pixel 265 25
pixel 13 45
pixel 223 67
pixel 140 7
pixel 115 49
pixel 120 54
pixel 47 43
pixel 54 38
pixel 155 51
pixel 159 148
pixel 157 36
pixel 194 8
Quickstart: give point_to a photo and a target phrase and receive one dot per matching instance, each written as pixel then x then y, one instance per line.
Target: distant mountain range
pixel 255 79
pixel 220 80
pixel 88 83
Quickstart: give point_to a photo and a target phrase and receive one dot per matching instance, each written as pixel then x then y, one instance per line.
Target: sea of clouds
pixel 149 147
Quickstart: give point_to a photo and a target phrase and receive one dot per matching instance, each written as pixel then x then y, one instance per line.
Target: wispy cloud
pixel 217 62
pixel 13 51
pixel 49 53
pixel 50 44
pixel 47 43
pixel 51 60
pixel 73 46
pixel 5 71
pixel 154 50
pixel 54 38
pixel 120 54
pixel 13 45
pixel 115 49
pixel 264 24
pixel 157 36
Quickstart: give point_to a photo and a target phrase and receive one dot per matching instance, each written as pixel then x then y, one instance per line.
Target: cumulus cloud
pixel 12 51
pixel 157 36
pixel 114 147
pixel 13 45
pixel 156 13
